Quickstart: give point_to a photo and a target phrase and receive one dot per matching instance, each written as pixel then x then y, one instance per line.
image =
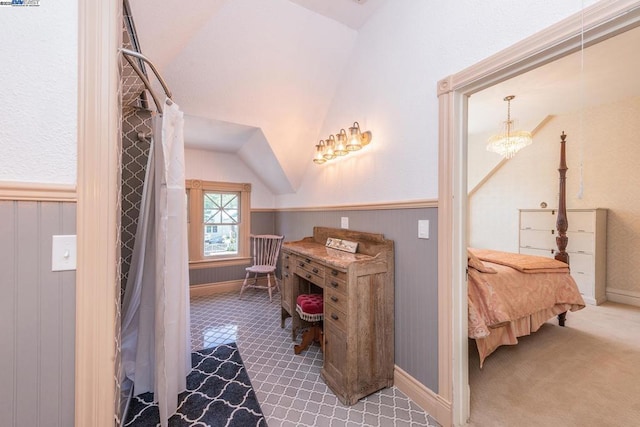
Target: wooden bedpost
pixel 562 224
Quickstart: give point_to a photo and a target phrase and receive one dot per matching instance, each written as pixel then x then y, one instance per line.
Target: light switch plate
pixel 63 253
pixel 423 229
pixel 344 222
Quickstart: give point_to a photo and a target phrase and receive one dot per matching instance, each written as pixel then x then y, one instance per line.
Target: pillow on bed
pixel 474 262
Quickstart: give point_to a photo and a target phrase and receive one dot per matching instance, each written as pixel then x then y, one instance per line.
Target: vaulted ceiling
pixel 254 77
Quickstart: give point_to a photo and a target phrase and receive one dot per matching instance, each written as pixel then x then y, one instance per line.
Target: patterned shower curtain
pixel 155 323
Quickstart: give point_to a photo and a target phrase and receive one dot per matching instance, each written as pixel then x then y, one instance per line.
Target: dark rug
pixel 218 393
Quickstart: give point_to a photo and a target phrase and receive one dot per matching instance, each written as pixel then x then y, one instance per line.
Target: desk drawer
pixel 336 299
pixel 306 274
pixel 288 262
pixel 336 274
pixel 310 266
pixel 336 284
pixel 334 317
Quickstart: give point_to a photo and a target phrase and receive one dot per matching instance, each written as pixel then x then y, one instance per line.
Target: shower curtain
pixel 156 355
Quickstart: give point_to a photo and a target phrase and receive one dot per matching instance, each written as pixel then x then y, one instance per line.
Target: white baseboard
pixel 432 403
pixel 221 287
pixel 623 296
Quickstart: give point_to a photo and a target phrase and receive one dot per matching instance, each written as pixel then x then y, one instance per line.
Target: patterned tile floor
pixel 289 387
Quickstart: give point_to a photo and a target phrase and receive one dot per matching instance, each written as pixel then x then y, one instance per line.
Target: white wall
pixel 389 87
pixel 38 101
pixel 210 166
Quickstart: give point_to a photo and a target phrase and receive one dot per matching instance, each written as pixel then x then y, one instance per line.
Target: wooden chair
pixel 310 307
pixel 265 256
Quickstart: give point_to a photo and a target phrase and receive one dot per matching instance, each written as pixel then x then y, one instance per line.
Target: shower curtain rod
pixel 127 54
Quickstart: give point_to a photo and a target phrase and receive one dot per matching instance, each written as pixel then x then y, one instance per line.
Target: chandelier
pixel 509 141
pixel 341 144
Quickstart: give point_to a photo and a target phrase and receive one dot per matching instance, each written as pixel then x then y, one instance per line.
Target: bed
pixel 511 295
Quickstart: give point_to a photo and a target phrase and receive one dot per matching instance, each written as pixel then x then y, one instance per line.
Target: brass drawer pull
pixel 286 257
pixel 301 264
pixel 308 276
pixel 286 266
pixel 315 270
pixel 334 284
pixel 334 272
pixel 334 316
pixel 307 260
pixel 334 299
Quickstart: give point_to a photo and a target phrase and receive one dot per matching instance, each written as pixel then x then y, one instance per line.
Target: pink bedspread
pixel 511 303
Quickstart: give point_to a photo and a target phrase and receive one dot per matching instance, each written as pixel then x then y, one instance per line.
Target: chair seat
pixel 310 307
pixel 261 269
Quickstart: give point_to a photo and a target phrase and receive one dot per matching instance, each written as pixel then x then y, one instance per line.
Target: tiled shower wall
pixel 136 123
pixel 37 316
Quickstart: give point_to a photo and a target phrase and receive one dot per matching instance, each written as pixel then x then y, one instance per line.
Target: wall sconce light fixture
pixel 341 144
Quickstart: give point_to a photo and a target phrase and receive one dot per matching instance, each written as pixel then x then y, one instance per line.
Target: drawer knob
pixel 334 272
pixel 334 316
pixel 286 266
pixel 334 298
pixel 315 270
pixel 308 276
pixel 301 264
pixel 286 257
pixel 334 284
pixel 307 260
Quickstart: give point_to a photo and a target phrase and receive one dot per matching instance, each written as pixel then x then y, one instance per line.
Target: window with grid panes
pixel 219 222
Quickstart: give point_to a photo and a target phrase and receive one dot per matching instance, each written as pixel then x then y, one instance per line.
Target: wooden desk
pixel 358 294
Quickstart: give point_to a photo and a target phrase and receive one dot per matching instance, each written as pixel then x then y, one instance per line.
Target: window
pixel 219 223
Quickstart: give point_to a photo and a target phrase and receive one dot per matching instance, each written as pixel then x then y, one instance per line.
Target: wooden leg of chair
pixel 244 284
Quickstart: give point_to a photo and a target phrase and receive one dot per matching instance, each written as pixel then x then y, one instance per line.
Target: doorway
pixel 594 24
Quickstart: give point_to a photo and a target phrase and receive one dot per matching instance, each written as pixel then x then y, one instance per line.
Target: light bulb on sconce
pixel 341 143
pixel 329 154
pixel 357 139
pixel 319 159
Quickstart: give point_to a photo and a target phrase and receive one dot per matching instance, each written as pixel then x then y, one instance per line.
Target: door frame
pixel 595 23
pixel 97 298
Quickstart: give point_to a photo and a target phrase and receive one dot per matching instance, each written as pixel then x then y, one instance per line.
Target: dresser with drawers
pixel 358 296
pixel 587 234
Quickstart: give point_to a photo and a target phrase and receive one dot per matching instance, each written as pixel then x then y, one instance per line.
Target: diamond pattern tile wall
pixel 135 152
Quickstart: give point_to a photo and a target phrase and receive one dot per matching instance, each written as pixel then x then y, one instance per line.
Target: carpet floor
pixel 585 374
pixel 219 393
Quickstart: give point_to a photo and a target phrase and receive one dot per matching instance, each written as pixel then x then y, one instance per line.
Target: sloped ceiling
pixel 256 74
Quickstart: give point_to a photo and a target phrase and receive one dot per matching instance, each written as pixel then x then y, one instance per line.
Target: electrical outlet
pixel 344 222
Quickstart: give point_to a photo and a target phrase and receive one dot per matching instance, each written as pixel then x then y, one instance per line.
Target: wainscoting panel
pixel 416 276
pixel 37 314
